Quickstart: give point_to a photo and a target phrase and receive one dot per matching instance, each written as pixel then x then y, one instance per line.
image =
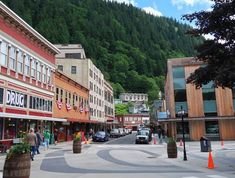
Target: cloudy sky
pixel 170 8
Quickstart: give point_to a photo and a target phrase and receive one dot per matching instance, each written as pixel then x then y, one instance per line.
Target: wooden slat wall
pixel 224 101
pixel 227 129
pixel 197 129
pixel 194 96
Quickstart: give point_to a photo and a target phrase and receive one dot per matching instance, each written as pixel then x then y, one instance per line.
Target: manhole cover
pixel 151 157
pixel 55 148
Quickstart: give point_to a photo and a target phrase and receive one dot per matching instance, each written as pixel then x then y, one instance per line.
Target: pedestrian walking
pixel 39 141
pixel 31 139
pixel 47 137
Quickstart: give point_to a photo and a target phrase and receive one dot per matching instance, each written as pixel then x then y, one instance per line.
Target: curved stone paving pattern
pixel 63 167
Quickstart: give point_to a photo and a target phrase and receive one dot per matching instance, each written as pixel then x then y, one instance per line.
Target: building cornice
pixel 19 23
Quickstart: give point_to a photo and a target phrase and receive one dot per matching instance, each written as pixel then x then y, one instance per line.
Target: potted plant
pixel 171 148
pixel 18 161
pixel 77 145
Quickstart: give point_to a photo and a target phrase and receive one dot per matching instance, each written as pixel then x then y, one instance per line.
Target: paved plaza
pixel 109 160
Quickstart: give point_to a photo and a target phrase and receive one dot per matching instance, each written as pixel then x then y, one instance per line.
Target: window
pixel 49 76
pixel 212 127
pixel 209 100
pixel 66 97
pixel 12 59
pixel 27 65
pixel 179 129
pixel 20 58
pixel 91 86
pixel 44 74
pixel 73 55
pixel 57 94
pixel 1 95
pixel 33 68
pixel 178 72
pixel 91 73
pixel 73 69
pixel 40 103
pixel 60 67
pixel 39 71
pixel 3 53
pixel 61 95
pixel 179 83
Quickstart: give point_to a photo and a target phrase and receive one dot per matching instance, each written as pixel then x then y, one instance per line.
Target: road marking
pixel 216 176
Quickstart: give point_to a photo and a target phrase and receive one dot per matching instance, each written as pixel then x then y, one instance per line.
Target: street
pixel 122 158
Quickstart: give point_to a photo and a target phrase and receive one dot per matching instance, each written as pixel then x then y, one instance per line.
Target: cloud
pixel 132 2
pixel 152 11
pixel 181 3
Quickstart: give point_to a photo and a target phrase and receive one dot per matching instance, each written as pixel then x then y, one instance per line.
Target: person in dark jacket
pixel 39 141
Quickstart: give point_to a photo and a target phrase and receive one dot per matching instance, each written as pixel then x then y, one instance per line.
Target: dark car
pixel 100 136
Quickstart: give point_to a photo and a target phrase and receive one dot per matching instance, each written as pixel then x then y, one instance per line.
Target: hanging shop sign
pixel 17 99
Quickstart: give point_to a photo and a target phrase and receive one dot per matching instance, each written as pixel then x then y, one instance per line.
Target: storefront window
pixel 179 129
pixel 10 128
pixel 212 127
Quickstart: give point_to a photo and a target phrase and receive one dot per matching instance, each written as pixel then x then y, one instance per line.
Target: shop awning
pixel 21 116
pixel 82 120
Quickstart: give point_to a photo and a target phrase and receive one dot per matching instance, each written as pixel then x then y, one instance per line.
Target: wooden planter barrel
pixel 172 150
pixel 77 146
pixel 17 166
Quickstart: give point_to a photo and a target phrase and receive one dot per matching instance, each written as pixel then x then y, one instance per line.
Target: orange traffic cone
pixel 222 144
pixel 85 140
pixel 210 161
pixel 181 142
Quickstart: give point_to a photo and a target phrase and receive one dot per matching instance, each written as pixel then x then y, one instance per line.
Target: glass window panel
pixel 209 106
pixel 178 72
pixel 179 83
pixel 12 62
pixel 1 96
pixel 180 95
pixel 212 127
pixel 208 94
pixel 60 67
pixel 33 68
pixel 27 65
pixel 20 62
pixel 3 54
pixel 209 85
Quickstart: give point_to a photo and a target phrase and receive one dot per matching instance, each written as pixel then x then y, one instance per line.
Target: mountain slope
pixel 128 45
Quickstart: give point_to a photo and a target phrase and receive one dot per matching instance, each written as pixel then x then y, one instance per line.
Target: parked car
pixel 149 132
pixel 114 133
pixel 122 132
pixel 142 136
pixel 100 136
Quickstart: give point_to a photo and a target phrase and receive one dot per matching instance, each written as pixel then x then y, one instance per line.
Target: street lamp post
pixel 182 119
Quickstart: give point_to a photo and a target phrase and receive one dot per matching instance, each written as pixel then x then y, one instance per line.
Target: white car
pixel 142 136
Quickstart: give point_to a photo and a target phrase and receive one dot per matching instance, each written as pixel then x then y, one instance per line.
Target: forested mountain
pixel 128 45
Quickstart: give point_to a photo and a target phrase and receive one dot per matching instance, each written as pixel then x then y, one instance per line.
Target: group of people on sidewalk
pixel 35 139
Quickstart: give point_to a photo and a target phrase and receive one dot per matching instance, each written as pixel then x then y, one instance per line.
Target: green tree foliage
pixel 121 109
pixel 219 53
pixel 128 45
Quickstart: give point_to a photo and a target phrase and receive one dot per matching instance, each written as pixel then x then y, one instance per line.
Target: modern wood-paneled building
pixel 210 110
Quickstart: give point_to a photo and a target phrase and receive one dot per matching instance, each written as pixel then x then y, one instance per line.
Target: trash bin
pixel 205 144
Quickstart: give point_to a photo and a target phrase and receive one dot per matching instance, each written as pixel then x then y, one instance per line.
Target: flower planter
pixel 17 166
pixel 77 146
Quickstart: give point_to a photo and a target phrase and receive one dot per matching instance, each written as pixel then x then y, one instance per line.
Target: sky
pixel 170 8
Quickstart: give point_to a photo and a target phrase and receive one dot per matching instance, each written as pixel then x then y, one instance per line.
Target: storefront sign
pixel 15 98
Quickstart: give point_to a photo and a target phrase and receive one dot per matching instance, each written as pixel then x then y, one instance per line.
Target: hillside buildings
pixel 209 110
pixel 26 77
pixel 133 97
